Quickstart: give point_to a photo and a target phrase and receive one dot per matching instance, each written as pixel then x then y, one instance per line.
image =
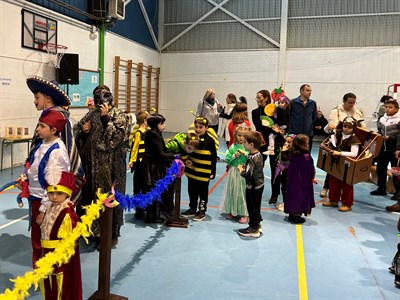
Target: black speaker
pixel 68 73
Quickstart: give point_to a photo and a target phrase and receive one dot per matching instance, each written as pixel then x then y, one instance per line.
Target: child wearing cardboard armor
pixel 49 154
pixel 60 219
pixel 343 142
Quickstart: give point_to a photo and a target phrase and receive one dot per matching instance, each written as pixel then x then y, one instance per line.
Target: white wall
pixel 16 100
pixel 185 76
pixel 367 72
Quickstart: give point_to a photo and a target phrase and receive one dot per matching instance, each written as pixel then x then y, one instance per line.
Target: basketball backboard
pixel 37 30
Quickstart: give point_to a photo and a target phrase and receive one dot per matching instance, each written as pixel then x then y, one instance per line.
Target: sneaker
pixel 394 208
pixel 345 208
pixel 268 152
pixel 323 193
pixel 330 203
pixel 244 220
pixel 199 216
pixel 280 207
pixel 190 213
pixel 249 231
pixel 378 192
pixel 273 199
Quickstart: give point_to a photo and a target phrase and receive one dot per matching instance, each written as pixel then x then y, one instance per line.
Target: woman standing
pixel 263 98
pixel 209 108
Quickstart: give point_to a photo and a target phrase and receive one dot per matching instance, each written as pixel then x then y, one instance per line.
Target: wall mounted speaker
pixel 68 73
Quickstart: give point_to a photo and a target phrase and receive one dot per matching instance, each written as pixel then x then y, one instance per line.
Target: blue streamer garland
pixel 128 202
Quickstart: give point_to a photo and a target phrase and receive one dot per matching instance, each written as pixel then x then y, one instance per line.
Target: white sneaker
pixel 323 193
pixel 269 152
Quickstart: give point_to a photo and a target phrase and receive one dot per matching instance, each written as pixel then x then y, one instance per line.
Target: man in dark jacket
pixel 303 112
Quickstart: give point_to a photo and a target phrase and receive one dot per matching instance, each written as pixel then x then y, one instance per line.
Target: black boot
pixel 273 199
pixel 378 192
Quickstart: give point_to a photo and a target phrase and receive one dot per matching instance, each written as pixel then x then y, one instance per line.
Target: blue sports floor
pixel 333 255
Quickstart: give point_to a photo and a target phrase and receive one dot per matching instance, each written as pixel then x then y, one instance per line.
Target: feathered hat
pixel 51 89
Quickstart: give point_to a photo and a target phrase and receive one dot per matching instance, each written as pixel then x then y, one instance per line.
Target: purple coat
pixel 300 191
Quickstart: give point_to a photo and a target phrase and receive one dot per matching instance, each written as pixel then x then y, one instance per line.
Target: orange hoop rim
pixel 54 46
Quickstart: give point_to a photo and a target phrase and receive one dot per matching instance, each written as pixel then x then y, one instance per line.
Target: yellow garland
pixel 61 255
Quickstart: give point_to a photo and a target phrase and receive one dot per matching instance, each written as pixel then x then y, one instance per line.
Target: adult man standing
pixel 303 112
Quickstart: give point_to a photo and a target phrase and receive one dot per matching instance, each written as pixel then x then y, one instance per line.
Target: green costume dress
pixel 234 195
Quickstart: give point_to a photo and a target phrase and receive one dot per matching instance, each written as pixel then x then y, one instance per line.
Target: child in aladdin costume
pixel 60 219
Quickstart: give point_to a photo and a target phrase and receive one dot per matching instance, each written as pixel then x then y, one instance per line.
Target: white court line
pixel 13 222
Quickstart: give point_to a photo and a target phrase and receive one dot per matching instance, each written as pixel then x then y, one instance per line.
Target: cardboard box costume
pixel 351 170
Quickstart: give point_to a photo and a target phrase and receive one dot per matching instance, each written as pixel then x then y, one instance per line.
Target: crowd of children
pixel 52 186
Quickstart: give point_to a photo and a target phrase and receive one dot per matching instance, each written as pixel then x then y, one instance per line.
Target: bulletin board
pixel 80 93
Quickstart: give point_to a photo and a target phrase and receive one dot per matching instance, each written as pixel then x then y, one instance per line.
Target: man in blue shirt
pixel 303 112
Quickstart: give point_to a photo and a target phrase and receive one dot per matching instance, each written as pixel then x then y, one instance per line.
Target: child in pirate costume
pixel 200 168
pixel 60 219
pixel 48 96
pixel 343 142
pixel 49 154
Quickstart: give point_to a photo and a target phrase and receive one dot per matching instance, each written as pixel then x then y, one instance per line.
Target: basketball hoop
pixel 55 52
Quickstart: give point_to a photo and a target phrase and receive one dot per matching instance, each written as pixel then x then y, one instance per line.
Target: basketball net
pixel 55 53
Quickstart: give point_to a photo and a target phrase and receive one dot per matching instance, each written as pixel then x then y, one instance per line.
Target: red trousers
pixel 340 191
pixel 35 232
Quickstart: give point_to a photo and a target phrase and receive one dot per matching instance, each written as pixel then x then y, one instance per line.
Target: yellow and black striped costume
pixel 204 160
pixel 138 147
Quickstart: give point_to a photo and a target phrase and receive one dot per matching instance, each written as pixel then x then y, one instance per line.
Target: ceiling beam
pixel 148 23
pixel 192 26
pixel 244 23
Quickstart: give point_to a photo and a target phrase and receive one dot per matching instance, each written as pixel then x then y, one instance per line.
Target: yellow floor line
pixel 301 267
